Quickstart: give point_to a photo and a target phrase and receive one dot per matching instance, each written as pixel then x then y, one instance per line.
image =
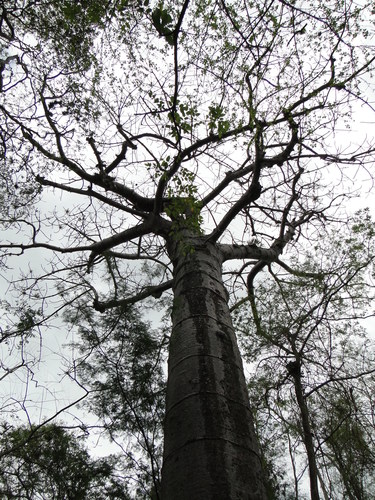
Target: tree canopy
pixel 51 463
pixel 181 156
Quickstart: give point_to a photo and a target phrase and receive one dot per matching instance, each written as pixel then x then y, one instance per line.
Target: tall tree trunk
pixel 210 448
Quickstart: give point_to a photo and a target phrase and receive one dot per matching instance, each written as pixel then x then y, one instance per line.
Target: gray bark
pixel 210 448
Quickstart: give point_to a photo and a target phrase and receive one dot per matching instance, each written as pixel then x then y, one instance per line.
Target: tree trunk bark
pixel 210 448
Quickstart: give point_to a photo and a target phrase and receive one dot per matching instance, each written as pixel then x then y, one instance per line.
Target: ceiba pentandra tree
pixel 193 136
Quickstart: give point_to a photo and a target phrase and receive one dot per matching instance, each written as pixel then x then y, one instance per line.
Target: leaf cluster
pixel 51 463
pixel 121 366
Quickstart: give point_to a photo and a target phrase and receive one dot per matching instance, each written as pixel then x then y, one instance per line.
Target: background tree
pixel 315 361
pixel 194 136
pixel 50 463
pixel 120 365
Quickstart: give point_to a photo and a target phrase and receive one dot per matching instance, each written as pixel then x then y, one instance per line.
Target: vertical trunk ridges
pixel 210 446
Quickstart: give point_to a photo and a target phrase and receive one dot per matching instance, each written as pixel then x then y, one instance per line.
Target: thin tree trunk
pixel 210 448
pixel 322 485
pixel 307 435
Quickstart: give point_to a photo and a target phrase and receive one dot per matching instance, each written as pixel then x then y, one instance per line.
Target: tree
pixel 315 362
pixel 51 463
pixel 189 135
pixel 350 452
pixel 120 366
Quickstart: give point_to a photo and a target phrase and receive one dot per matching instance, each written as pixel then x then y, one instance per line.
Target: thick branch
pixel 255 188
pixel 88 192
pixel 149 291
pixel 150 225
pixel 229 177
pixel 186 153
pixel 232 252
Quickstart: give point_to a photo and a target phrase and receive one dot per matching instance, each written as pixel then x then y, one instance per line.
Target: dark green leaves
pixel 52 463
pixel 163 23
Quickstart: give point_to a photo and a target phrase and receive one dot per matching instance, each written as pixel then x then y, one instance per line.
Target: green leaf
pixel 163 23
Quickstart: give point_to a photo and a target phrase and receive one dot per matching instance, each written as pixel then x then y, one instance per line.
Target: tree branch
pixel 149 291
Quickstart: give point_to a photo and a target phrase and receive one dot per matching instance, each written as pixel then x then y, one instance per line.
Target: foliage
pixel 51 463
pixel 132 125
pixel 120 364
pixel 312 317
pixel 350 445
